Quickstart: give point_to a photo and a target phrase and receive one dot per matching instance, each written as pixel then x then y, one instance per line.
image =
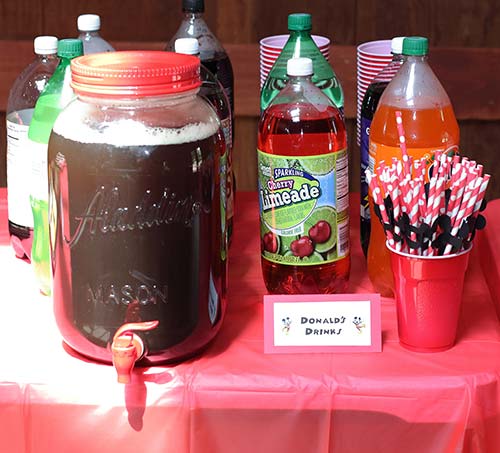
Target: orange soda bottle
pixel 430 125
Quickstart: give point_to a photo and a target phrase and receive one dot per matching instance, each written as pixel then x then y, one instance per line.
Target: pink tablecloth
pixel 234 398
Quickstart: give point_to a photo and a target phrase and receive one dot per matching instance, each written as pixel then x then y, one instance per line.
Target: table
pixel 234 398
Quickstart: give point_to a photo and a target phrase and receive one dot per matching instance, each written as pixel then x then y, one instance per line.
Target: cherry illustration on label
pixel 302 247
pixel 270 242
pixel 320 232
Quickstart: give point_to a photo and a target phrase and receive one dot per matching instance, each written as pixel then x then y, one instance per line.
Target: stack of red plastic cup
pixel 271 47
pixel 372 57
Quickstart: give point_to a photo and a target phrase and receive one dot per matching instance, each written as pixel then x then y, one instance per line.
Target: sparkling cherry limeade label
pixel 304 205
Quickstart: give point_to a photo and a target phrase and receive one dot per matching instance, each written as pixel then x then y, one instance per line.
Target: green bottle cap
pixel 415 45
pixel 299 22
pixel 69 48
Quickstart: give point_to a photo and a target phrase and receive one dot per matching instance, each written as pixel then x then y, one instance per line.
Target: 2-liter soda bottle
pixel 303 189
pixel 213 57
pixel 368 109
pixel 22 99
pixel 56 95
pixel 89 26
pixel 213 92
pixel 430 125
pixel 301 44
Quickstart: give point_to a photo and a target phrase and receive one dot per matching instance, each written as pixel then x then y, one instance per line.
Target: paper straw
pixel 464 180
pixel 408 195
pixel 466 208
pixel 413 211
pixel 437 163
pixel 443 166
pixel 397 212
pixel 482 191
pixel 377 198
pixel 402 142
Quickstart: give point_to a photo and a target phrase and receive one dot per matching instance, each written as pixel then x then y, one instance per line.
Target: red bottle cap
pixel 134 74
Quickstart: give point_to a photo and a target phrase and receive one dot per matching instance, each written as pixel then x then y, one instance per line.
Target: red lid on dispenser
pixel 134 74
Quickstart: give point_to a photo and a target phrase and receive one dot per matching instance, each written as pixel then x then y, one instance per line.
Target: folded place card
pixel 322 323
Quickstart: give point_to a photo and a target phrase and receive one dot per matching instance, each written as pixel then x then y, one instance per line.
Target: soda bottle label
pixel 364 146
pixel 19 191
pixel 304 208
pixel 213 301
pixel 380 152
pixel 223 205
pixel 225 125
pixel 227 131
pixel 39 175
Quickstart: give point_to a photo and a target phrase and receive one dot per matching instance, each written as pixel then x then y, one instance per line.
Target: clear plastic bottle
pixel 56 95
pixel 301 44
pixel 303 189
pixel 430 125
pixel 88 27
pixel 368 108
pixel 212 53
pixel 212 91
pixel 22 99
pixel 214 57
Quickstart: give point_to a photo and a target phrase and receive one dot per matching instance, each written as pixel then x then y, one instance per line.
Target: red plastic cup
pixel 271 47
pixel 372 57
pixel 428 298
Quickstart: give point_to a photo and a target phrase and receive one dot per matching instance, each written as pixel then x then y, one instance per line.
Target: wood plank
pixel 21 19
pixel 331 18
pixel 479 141
pixel 384 20
pixel 245 153
pixel 235 21
pixel 469 75
pixel 126 20
pixel 447 23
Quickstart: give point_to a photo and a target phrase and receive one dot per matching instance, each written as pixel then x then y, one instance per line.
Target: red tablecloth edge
pixel 489 246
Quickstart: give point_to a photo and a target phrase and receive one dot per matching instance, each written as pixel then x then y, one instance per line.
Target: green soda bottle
pixel 56 95
pixel 301 44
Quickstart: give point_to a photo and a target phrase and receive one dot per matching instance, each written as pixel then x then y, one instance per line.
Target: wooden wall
pixel 467 28
pixel 446 22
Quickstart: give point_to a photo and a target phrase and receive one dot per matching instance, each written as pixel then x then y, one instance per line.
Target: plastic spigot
pixel 128 347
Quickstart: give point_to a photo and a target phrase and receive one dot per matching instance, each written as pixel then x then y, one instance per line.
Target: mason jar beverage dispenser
pixel 136 226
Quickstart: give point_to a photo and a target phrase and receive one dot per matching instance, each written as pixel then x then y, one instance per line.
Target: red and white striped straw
pixel 402 142
pixel 377 199
pixel 413 210
pixel 480 195
pixel 456 171
pixel 406 188
pixel 444 164
pixel 397 212
pixel 465 178
pixel 466 208
pixel 437 163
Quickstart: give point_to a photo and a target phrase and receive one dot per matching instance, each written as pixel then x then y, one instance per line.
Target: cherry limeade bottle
pixel 303 189
pixel 430 125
